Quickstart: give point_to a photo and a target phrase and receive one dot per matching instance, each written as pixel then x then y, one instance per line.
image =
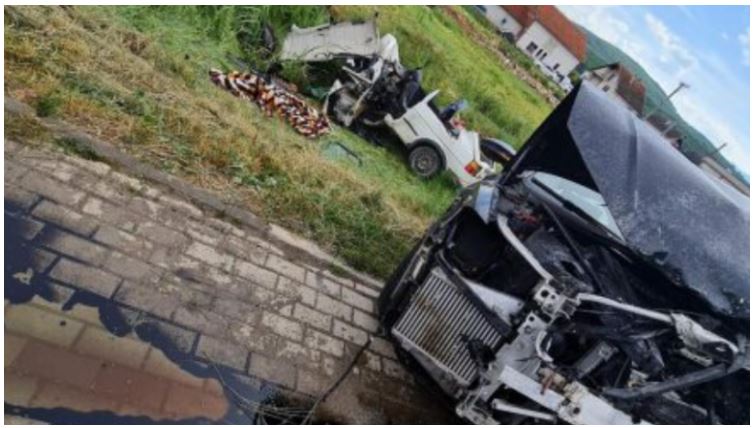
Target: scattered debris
pixel 272 98
pixel 338 150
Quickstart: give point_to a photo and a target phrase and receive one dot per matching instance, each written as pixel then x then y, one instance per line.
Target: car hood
pixel 688 224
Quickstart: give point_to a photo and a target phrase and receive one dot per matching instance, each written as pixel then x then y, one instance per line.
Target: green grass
pixel 137 77
pixel 500 105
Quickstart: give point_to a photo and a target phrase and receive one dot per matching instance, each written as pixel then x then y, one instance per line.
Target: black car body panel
pixel 665 206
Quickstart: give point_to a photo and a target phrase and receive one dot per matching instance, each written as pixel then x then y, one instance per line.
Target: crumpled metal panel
pixel 329 41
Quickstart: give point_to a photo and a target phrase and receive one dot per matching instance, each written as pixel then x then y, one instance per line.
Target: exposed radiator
pixel 439 321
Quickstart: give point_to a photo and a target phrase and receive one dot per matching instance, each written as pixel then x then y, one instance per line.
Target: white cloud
pixel 743 39
pixel 725 36
pixel 673 49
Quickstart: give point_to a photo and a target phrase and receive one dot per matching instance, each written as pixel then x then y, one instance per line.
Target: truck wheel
pixel 425 161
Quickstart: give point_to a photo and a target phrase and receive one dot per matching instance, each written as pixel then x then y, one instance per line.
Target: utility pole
pixel 681 85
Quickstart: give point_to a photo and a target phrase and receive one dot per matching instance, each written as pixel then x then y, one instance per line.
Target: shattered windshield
pixel 584 198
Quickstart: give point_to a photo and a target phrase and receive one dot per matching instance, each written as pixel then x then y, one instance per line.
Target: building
pixel 543 33
pixel 617 81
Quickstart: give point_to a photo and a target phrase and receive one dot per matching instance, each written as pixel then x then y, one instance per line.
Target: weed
pixel 76 147
pixel 49 105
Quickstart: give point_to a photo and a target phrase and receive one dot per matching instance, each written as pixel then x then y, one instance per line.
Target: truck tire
pixel 425 160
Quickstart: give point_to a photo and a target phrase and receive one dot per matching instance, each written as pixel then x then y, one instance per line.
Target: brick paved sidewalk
pixel 229 296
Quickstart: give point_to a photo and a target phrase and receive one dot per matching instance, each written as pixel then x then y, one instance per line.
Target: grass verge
pixel 136 76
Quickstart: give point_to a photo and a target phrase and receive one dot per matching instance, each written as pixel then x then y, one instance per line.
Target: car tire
pixel 425 160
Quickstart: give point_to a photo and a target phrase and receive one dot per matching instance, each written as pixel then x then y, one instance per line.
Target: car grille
pixel 439 321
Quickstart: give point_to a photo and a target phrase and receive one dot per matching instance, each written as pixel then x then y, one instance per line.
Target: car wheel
pixel 425 161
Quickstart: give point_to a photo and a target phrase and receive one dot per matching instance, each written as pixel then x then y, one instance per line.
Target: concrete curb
pixel 289 242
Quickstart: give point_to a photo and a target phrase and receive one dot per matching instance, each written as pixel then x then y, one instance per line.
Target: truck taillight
pixel 473 168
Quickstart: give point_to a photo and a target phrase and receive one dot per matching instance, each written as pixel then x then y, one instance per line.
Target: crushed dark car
pixel 601 278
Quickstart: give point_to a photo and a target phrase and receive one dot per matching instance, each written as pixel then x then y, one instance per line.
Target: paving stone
pixel 89 278
pixel 146 207
pixel 52 189
pixel 57 168
pixel 339 279
pixel 296 353
pixel 161 234
pixel 131 268
pixel 241 248
pixel 106 190
pixel 394 369
pixel 236 309
pixel 181 206
pixel 160 365
pixel 111 213
pixel 203 320
pixel 349 333
pixel 19 389
pixel 53 395
pixel 256 274
pixel 203 233
pixel 282 326
pixel 383 347
pixel 185 402
pixel 99 168
pixel 181 338
pixel 125 181
pixel 290 288
pixel 311 383
pixel 54 363
pixel 258 339
pixel 322 284
pixel 365 321
pixel 21 199
pixel 41 259
pixel 147 300
pixel 224 227
pixel 13 170
pixel 29 228
pixel 97 342
pixel 272 370
pixel 367 291
pixel 65 217
pixel 323 342
pixel 210 256
pixel 312 317
pixel 372 361
pixel 30 321
pixel 222 352
pixel 334 307
pixel 73 246
pixel 123 241
pixel 131 386
pixel 355 299
pixel 284 267
pixel 13 346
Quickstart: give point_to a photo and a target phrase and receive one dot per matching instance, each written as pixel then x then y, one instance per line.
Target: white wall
pixel 556 52
pixel 502 20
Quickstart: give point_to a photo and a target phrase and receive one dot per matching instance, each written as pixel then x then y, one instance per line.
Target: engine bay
pixel 561 325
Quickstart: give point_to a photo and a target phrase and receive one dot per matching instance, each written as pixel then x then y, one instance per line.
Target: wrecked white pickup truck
pixel 375 91
pixel 602 278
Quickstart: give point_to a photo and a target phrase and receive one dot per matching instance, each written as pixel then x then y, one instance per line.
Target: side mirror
pixel 497 151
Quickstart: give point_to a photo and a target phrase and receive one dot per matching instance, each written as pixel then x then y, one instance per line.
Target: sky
pixel 706 47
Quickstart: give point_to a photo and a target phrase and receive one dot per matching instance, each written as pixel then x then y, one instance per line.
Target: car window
pixel 583 197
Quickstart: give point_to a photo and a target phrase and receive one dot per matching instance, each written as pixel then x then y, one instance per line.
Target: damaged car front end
pixel 601 279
